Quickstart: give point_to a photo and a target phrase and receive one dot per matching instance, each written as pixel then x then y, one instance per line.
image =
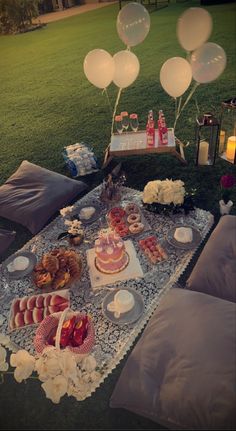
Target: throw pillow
pixel 181 374
pixel 6 238
pixel 33 194
pixel 215 270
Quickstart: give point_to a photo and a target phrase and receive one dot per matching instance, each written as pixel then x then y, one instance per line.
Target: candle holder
pixel 227 136
pixel 207 131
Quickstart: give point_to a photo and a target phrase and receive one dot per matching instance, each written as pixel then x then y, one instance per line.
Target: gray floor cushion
pixel 215 270
pixel 33 194
pixel 6 238
pixel 181 374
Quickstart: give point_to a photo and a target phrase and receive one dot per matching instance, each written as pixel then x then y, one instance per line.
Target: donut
pixel 133 218
pixel 131 208
pixel 115 221
pixel 116 212
pixel 136 227
pixel 121 229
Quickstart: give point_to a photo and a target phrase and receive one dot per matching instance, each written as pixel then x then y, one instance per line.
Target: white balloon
pixel 194 28
pixel 208 62
pixel 126 68
pixel 99 67
pixel 133 24
pixel 176 76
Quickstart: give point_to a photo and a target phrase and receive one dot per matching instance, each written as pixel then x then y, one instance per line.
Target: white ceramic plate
pixel 184 245
pixel 94 217
pixel 128 317
pixel 19 274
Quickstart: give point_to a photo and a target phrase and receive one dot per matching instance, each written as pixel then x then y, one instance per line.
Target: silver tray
pixel 19 274
pixel 184 245
pixel 128 317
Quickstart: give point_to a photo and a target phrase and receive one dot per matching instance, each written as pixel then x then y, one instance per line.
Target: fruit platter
pixel 31 310
pixel 72 330
pixel 152 249
pixel 127 220
pixel 57 269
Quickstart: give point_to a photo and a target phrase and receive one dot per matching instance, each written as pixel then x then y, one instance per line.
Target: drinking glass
pixel 134 122
pixel 125 120
pixel 119 125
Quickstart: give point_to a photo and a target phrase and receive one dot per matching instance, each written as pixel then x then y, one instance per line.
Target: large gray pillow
pixel 215 270
pixel 6 238
pixel 181 374
pixel 33 194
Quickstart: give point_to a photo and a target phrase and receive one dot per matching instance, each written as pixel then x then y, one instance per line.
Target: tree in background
pixel 17 15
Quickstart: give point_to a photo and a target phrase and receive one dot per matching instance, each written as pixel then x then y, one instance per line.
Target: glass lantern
pixel 227 136
pixel 207 131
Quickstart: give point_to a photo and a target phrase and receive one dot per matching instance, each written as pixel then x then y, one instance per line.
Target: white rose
pixel 24 364
pixel 3 354
pixel 55 388
pixel 178 199
pixel 168 196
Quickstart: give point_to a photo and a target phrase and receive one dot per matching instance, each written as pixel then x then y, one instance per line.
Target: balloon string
pixel 115 108
pixel 175 107
pixel 108 98
pixel 186 102
pixel 180 101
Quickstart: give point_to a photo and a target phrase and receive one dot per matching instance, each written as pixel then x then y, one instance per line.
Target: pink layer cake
pixel 111 256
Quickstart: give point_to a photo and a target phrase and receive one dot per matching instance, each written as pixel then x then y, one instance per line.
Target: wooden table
pixel 131 143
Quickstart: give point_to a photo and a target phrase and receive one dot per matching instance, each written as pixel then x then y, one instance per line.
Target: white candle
pixel 203 153
pixel 231 148
pixel 222 141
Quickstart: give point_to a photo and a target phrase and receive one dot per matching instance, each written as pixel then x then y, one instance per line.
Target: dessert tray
pixel 153 250
pixel 184 245
pixel 127 221
pixel 128 317
pixel 57 269
pixel 18 273
pixel 31 310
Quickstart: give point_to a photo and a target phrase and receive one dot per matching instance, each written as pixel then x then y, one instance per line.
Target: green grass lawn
pixel 46 103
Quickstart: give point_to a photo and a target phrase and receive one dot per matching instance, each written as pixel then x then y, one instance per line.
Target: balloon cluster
pixel 206 60
pixel 100 68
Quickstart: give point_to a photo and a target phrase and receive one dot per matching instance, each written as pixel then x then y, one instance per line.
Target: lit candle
pixel 203 153
pixel 231 148
pixel 222 141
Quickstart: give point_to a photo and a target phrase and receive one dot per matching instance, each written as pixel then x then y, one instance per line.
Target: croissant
pixel 42 279
pixel 50 263
pixel 74 267
pixel 61 279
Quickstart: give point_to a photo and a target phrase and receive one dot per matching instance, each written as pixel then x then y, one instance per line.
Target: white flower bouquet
pixel 167 196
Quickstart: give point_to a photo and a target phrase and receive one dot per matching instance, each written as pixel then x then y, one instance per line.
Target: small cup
pixel 123 302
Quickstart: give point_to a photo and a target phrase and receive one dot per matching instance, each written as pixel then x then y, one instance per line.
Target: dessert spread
pixel 152 249
pixel 73 332
pixel 183 234
pixel 126 220
pixel 111 256
pixel 31 310
pixel 57 269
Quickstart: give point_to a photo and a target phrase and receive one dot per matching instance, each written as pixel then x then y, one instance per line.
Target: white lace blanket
pixel 112 341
